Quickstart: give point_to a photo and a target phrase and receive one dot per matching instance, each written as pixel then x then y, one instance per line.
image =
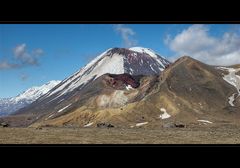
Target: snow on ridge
pixel 64 108
pixel 11 105
pixel 35 92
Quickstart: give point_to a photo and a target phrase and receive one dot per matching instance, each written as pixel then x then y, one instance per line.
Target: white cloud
pixel 25 57
pixel 126 34
pixel 19 50
pixel 22 58
pixel 198 43
pixel 7 65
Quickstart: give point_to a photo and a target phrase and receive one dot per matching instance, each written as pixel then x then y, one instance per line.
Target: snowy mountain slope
pixel 161 60
pixel 233 80
pixel 134 61
pixel 10 105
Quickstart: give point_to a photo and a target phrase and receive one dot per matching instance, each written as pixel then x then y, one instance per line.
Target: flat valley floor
pixel 48 135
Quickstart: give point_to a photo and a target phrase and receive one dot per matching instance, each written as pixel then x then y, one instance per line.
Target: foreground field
pixel 226 135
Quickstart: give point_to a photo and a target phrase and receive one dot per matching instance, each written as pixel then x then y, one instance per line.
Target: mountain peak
pixel 147 51
pixel 36 91
pixel 134 61
pixel 184 59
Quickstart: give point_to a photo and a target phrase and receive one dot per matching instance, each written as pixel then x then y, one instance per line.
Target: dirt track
pixel 226 135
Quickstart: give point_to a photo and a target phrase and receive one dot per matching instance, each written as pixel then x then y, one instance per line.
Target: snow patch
pixel 61 100
pixel 131 70
pixel 165 115
pixel 231 77
pixel 153 69
pixel 129 87
pixel 161 69
pixel 140 124
pixel 233 80
pixel 64 108
pixel 231 99
pixel 89 124
pixel 205 121
pixel 49 116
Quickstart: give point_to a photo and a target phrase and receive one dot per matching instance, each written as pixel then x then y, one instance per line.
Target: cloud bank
pixel 196 42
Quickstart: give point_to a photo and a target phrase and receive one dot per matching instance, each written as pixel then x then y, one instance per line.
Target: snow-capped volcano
pixel 113 70
pixel 134 61
pixel 10 105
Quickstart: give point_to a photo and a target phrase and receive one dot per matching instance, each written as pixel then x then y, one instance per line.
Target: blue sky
pixel 33 54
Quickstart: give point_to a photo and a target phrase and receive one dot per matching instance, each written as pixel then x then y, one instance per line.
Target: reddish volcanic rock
pixel 123 79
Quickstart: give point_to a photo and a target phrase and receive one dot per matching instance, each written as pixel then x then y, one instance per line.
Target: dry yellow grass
pixel 201 135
